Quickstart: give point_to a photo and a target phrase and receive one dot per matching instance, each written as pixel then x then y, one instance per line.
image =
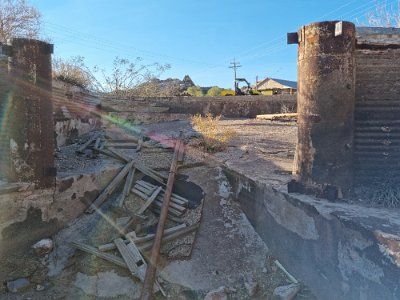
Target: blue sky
pixel 198 38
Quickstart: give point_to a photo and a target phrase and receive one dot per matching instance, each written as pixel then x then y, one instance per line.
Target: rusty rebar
pixel 149 279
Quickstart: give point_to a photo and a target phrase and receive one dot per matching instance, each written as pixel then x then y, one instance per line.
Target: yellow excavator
pixel 248 91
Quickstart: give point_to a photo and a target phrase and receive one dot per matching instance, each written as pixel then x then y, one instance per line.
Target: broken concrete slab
pixel 107 285
pixel 287 292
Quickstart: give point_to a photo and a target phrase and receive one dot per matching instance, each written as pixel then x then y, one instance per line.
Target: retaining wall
pixel 162 109
pixel 340 251
pixel 76 112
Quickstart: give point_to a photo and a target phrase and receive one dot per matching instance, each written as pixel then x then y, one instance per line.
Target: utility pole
pixel 257 83
pixel 234 65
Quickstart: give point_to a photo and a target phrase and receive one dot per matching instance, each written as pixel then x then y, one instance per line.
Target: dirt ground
pixel 226 250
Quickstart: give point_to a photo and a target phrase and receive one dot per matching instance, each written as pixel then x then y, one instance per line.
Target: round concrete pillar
pixel 325 104
pixel 4 100
pixel 31 132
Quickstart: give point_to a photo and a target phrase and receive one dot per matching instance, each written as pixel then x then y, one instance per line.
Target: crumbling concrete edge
pixel 340 251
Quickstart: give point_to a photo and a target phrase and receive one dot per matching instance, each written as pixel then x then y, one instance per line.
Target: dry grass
pixel 214 137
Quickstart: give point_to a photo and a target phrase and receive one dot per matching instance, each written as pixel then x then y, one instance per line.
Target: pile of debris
pixel 154 204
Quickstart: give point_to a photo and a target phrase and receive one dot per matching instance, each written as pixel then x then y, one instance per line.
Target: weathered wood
pixel 88 142
pixel 147 171
pixel 127 188
pixel 106 256
pixel 118 154
pixel 109 189
pixel 108 153
pixel 97 143
pixel 122 145
pixel 127 255
pixel 140 143
pixel 149 201
pixel 142 267
pixel 130 140
pixel 140 240
pixel 147 184
pixel 181 152
pixel 151 268
pixel 157 211
pixel 175 203
pixel 137 262
pixel 148 189
pixel 157 203
pixel 171 210
pixel 278 117
pixel 169 238
pixel 150 237
pixel 175 206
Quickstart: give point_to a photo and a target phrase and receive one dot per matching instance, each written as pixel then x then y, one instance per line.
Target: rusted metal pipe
pixel 149 279
pixel 325 104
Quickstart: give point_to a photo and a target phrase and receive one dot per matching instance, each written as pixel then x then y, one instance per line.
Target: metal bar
pixel 155 252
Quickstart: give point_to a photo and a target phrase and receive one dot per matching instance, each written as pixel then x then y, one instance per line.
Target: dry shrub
pixel 214 137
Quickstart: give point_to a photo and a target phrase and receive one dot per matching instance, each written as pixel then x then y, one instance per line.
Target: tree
pixel 214 91
pixel 18 19
pixel 195 91
pixel 126 76
pixel 73 71
pixel 384 15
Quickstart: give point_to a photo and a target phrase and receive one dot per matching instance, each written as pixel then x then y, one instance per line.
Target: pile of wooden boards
pixel 129 245
pixel 101 144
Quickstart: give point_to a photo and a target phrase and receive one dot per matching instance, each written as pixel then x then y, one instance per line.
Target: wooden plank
pixel 150 237
pixel 145 183
pixel 278 117
pixel 122 146
pixel 147 171
pixel 149 201
pixel 140 240
pixel 127 255
pixel 85 145
pixel 172 205
pixel 142 268
pixel 118 154
pixel 171 210
pixel 175 203
pixel 144 190
pixel 157 204
pixel 106 256
pixel 169 238
pixel 108 153
pixel 157 211
pixel 127 188
pixel 109 189
pixel 150 277
pixel 140 143
pixel 97 143
pixel 181 153
pixel 130 140
pixel 175 198
pixel 139 193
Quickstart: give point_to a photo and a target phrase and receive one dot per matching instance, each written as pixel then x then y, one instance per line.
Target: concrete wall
pixel 161 109
pixel 75 112
pixel 339 251
pixel 27 215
